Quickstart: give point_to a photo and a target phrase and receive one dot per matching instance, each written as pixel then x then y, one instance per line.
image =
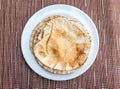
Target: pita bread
pixel 60 45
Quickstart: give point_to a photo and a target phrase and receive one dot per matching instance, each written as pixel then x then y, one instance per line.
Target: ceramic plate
pixel 67 11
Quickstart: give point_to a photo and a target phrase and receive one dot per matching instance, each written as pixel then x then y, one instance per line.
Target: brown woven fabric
pixel 104 73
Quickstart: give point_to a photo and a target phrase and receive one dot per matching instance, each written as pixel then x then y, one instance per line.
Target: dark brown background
pixel 104 73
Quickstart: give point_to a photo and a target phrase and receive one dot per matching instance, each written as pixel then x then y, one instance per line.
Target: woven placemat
pixel 104 73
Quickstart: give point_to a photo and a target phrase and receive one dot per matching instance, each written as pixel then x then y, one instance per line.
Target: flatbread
pixel 60 45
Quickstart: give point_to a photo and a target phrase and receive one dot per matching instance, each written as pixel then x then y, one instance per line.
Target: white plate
pixel 64 10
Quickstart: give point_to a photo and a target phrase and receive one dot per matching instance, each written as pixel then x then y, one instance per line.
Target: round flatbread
pixel 60 45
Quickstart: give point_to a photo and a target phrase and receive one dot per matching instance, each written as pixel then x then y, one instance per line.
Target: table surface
pixel 104 73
